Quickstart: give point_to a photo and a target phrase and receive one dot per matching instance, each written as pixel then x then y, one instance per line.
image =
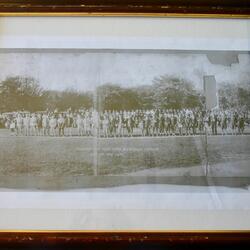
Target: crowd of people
pixel 126 123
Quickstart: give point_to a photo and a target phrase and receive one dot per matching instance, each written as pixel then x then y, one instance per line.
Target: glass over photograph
pixel 106 118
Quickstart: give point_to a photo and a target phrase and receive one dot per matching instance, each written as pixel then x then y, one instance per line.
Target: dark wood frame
pixel 217 8
pixel 124 240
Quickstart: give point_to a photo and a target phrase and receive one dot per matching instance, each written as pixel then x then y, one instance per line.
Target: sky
pixel 86 70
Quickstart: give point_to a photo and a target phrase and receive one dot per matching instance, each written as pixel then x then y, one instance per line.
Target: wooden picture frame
pixel 125 239
pixel 196 8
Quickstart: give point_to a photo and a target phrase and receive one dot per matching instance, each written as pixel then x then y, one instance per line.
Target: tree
pixel 70 98
pixel 114 97
pixel 146 95
pixel 233 96
pixel 244 97
pixel 174 93
pixel 21 93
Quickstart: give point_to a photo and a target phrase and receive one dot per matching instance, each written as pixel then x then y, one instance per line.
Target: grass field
pixel 73 156
pixel 48 156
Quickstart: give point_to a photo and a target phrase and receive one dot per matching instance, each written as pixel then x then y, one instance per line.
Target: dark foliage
pixel 23 93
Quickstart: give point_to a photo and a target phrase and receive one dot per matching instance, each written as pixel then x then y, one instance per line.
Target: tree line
pixel 25 93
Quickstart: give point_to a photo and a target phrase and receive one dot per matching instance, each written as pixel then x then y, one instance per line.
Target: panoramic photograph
pixel 79 119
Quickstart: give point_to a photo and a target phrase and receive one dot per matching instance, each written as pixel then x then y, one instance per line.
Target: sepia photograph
pixel 75 118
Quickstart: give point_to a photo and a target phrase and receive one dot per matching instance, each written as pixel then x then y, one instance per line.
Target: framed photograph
pixel 126 123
